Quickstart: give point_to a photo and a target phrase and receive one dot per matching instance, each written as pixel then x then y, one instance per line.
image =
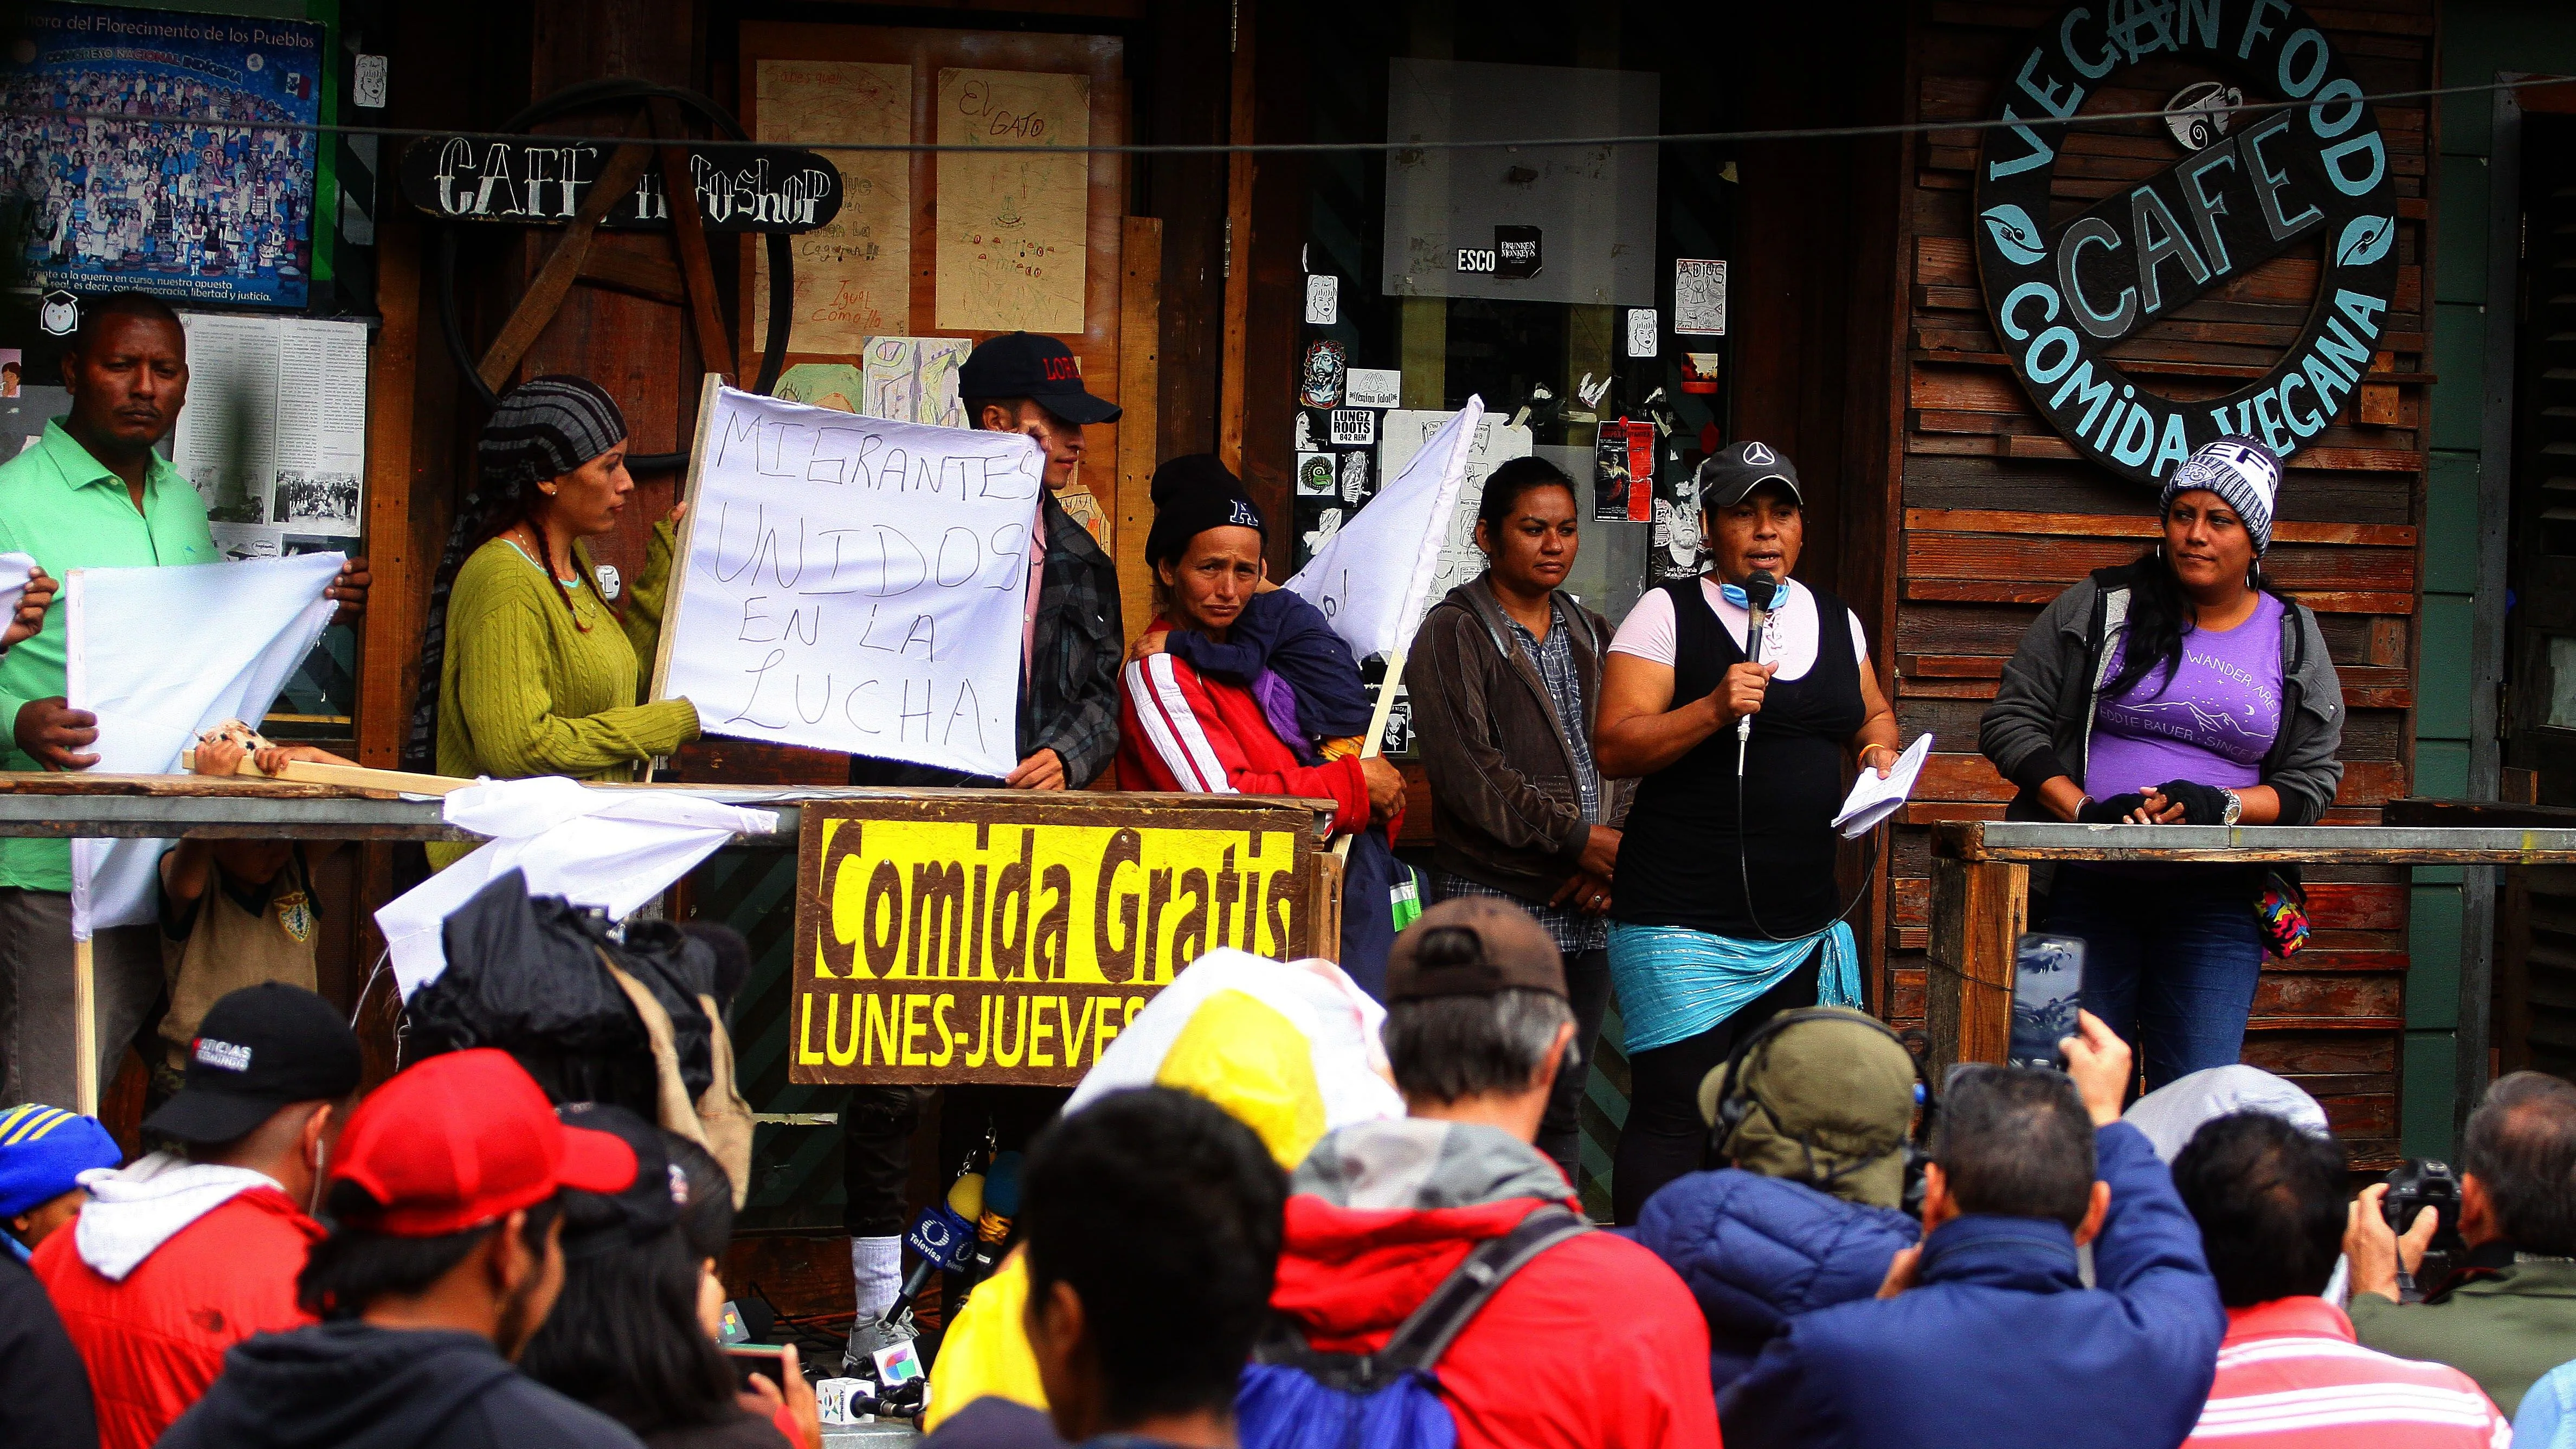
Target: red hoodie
pixel 154 1341
pixel 1179 730
pixel 1593 1344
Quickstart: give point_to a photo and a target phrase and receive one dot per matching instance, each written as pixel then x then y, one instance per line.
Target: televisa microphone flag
pixel 161 655
pixel 1371 576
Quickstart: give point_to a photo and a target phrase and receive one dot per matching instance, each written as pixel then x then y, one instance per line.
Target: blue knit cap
pixel 2240 471
pixel 43 1152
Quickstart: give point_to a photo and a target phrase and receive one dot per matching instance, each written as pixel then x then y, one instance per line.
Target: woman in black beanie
pixel 1184 727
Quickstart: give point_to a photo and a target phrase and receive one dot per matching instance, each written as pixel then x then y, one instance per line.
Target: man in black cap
pixel 1070 652
pixel 189 1251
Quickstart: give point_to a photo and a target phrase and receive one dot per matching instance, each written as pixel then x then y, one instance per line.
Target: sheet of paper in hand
pixel 848 583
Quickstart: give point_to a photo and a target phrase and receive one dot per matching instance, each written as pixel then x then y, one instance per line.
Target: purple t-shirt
pixel 2211 724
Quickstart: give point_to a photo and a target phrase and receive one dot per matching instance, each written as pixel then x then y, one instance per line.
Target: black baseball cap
pixel 1731 473
pixel 1513 953
pixel 1041 369
pixel 259 1049
pixel 646 1206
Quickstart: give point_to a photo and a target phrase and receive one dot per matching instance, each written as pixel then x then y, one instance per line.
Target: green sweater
pixel 2505 1331
pixel 526 691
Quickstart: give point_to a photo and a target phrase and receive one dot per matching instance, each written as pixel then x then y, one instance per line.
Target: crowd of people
pixel 1269 1238
pixel 111 196
pixel 1812 1243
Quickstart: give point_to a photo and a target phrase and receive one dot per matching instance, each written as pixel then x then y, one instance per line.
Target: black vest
pixel 1681 862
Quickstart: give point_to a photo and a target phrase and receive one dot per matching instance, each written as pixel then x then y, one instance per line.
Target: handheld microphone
pixel 1760 592
pixel 1001 1202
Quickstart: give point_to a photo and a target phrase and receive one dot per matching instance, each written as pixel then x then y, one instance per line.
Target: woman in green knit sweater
pixel 540 675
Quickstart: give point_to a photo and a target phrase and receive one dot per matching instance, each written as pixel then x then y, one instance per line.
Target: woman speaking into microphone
pixel 1737 697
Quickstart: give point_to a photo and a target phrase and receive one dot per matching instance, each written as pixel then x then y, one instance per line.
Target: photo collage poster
pixel 216 213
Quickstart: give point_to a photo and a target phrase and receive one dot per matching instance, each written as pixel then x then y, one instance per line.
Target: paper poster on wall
pixel 1494 443
pixel 275 430
pixel 914 379
pixel 1699 297
pixel 1012 223
pixel 853 584
pixel 1323 299
pixel 1374 387
pixel 134 196
pixel 853 273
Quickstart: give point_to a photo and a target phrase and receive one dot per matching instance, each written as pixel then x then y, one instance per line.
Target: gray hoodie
pixel 2041 723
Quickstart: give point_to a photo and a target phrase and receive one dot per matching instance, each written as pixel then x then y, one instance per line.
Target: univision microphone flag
pixel 1371 577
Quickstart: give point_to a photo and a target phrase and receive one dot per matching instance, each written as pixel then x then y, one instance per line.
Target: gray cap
pixel 1731 473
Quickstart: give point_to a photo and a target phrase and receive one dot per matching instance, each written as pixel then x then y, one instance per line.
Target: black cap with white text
pixel 257 1050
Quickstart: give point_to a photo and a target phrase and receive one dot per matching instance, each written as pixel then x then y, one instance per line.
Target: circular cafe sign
pixel 2067 281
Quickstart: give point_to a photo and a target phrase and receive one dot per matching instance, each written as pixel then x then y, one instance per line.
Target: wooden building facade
pixel 1860 340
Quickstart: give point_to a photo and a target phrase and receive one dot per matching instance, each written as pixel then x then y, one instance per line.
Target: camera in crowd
pixel 2416 1185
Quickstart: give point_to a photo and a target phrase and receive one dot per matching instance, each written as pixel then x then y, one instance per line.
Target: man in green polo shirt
pixel 91 493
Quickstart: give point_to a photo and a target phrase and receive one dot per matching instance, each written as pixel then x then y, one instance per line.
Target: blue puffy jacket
pixel 2000 1345
pixel 1757 1251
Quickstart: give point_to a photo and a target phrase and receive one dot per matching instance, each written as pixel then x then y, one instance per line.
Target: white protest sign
pixel 848 583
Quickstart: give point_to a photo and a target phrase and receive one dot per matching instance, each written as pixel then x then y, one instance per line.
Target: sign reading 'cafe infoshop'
pixel 2246 186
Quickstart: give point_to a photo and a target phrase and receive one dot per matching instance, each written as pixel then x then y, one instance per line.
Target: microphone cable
pixel 1743 746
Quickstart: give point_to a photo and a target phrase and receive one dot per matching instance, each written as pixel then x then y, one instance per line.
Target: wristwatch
pixel 2235 808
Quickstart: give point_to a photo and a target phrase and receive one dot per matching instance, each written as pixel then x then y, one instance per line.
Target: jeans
pixel 2170 961
pixel 1560 1132
pixel 1665 1136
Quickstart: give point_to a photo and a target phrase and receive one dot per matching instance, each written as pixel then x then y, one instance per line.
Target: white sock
pixel 876 1270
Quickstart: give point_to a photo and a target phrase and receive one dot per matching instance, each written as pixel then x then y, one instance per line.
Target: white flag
pixel 614 849
pixel 1371 578
pixel 160 656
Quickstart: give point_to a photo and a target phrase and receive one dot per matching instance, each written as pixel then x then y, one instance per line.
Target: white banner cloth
pixel 1372 576
pixel 614 849
pixel 854 584
pixel 160 656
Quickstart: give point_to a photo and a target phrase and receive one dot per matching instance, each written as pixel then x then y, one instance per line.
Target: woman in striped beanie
pixel 2182 689
pixel 536 669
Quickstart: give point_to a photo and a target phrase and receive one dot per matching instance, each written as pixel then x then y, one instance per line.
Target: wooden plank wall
pixel 1998 514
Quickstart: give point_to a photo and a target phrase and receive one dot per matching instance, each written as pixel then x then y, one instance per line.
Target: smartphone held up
pixel 2048 989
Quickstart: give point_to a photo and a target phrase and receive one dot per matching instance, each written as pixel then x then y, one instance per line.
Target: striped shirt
pixel 2290 1376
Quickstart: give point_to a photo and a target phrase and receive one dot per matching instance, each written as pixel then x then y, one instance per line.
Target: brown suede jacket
pixel 1505 808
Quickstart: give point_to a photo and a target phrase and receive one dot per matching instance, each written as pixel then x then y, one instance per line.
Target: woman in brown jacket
pixel 1506 679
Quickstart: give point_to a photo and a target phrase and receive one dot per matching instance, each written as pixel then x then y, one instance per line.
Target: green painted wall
pixel 2478 39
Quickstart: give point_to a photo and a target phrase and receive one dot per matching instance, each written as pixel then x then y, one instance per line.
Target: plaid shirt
pixel 1554 658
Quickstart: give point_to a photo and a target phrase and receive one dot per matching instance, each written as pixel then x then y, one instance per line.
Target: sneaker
pixel 870 1336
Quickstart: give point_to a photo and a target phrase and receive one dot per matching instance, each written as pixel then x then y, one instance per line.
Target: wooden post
pixel 1979 910
pixel 1140 339
pixel 85 1028
pixel 1240 169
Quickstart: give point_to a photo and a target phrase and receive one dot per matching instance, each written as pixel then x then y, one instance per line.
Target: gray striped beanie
pixel 2241 471
pixel 544 428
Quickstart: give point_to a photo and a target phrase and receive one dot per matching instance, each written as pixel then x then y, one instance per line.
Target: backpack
pixel 1293 1397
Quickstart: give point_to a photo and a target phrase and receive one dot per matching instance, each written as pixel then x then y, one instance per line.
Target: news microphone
pixel 941 1239
pixel 1760 592
pixel 1001 1203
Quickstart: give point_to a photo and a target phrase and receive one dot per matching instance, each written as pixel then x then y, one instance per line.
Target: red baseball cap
pixel 467 1137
